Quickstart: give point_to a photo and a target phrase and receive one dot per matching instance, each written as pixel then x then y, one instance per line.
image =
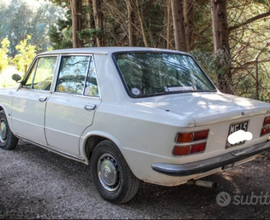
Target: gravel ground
pixel 35 183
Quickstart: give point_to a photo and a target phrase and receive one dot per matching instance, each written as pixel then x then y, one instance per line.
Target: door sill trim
pixel 59 152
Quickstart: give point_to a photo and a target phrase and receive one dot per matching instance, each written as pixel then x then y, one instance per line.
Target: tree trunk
pixel 141 24
pixel 91 21
pixel 178 25
pixel 169 20
pixel 189 23
pixel 221 44
pixel 98 17
pixel 76 13
pixel 131 18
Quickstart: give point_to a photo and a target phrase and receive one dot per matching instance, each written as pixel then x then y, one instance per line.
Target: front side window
pixel 148 73
pixel 41 74
pixel 28 83
pixel 44 73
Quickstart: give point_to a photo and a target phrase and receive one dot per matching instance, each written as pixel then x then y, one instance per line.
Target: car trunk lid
pixel 209 107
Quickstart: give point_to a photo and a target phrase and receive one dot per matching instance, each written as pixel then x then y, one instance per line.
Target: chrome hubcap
pixel 108 172
pixel 3 131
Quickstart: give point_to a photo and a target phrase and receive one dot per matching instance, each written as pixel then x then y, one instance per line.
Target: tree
pixel 169 21
pixel 229 42
pixel 140 17
pixel 179 25
pixel 131 24
pixel 64 33
pixel 221 44
pixel 18 20
pixel 60 34
pixel 98 17
pixel 249 42
pixel 25 56
pixel 188 9
pixel 76 12
pixel 238 47
pixel 4 54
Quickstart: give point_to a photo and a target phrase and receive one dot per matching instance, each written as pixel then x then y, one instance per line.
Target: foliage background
pixel 49 24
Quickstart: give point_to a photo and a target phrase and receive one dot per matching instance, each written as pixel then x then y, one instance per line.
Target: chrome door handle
pixel 89 107
pixel 42 98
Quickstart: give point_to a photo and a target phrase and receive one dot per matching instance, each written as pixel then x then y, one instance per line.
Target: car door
pixel 70 109
pixel 29 101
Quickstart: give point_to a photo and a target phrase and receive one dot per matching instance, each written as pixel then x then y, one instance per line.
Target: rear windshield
pixel 148 73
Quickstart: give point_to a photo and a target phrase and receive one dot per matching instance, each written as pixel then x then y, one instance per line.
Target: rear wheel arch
pixel 94 139
pixel 91 143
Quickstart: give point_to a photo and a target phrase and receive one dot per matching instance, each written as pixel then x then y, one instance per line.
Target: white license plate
pixel 236 127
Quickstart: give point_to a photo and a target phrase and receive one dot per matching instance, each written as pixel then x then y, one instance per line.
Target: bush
pixel 25 56
pixel 4 54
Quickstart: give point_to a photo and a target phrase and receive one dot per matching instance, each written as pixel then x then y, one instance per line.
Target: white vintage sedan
pixel 132 114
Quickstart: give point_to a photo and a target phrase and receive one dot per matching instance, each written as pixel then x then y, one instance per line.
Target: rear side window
pixel 77 76
pixel 91 87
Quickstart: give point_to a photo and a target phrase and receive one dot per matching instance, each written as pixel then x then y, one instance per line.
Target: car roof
pixel 107 50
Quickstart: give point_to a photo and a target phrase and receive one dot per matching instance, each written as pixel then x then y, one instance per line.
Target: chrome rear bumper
pixel 203 166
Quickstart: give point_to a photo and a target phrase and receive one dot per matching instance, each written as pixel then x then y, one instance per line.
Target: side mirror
pixel 16 77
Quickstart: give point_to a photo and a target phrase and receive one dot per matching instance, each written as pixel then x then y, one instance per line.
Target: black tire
pixel 111 174
pixel 7 139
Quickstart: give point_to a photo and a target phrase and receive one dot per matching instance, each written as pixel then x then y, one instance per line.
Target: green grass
pixel 5 77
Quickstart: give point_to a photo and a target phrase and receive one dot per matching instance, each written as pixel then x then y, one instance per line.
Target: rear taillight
pixel 200 135
pixel 183 150
pixel 197 148
pixel 184 137
pixel 265 131
pixel 192 136
pixel 266 121
pixel 190 149
pixel 266 126
pixel 190 143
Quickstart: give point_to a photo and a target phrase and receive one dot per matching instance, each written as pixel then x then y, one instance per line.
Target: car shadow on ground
pixel 43 184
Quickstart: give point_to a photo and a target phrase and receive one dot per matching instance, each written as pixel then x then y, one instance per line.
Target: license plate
pixel 236 127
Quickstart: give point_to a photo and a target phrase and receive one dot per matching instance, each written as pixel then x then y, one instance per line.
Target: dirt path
pixel 35 183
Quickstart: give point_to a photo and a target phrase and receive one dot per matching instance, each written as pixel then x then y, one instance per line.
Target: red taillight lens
pixel 266 121
pixel 181 150
pixel 186 150
pixel 266 126
pixel 197 148
pixel 200 135
pixel 184 137
pixel 265 131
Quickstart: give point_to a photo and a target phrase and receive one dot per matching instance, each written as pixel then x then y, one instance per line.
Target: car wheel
pixel 7 139
pixel 111 174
